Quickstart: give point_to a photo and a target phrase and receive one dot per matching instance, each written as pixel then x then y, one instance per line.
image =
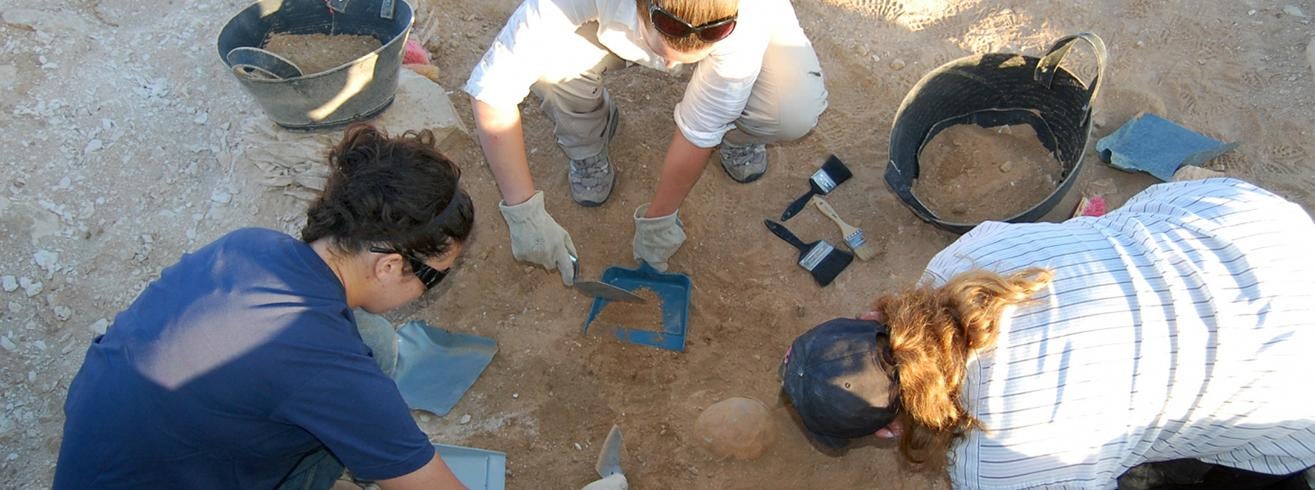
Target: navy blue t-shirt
pixel 240 360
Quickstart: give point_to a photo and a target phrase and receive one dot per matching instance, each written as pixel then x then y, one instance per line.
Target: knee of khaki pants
pixel 788 98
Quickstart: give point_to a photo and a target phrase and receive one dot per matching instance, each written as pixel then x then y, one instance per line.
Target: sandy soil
pixel 119 160
pixel 314 53
pixel 968 174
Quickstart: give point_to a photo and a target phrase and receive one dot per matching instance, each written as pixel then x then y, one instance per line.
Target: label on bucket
pixel 815 256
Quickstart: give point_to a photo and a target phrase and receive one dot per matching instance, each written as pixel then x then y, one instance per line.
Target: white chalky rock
pixel 47 260
pixel 739 428
pixel 9 283
pixel 1310 55
pixel 8 344
pixel 100 326
pixel 30 287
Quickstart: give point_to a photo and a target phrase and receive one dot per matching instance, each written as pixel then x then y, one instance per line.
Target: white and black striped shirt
pixel 1178 326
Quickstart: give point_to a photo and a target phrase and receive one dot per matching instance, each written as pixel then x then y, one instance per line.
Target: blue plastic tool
pixel 1157 146
pixel 673 290
pixel 477 469
pixel 435 367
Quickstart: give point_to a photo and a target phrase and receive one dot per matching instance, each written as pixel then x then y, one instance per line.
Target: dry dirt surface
pixel 969 174
pixel 128 144
pixel 314 53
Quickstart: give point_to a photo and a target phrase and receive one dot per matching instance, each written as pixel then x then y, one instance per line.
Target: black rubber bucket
pixel 355 90
pixel 992 90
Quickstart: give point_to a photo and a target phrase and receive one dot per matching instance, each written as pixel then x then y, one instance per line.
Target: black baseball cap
pixel 834 378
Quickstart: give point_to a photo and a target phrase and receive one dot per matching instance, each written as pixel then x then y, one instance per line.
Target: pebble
pixel 465 419
pixel 93 146
pixel 63 313
pixel 1310 55
pixel 221 197
pixel 11 457
pixel 424 418
pixel 100 326
pixel 9 283
pixel 1294 11
pixel 8 344
pixel 31 376
pixel 897 64
pixel 201 118
pixel 39 344
pixel 515 395
pixel 47 260
pixel 578 447
pixel 30 287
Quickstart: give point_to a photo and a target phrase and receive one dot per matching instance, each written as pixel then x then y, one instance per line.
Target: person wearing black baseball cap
pixel 1175 329
pixel 840 378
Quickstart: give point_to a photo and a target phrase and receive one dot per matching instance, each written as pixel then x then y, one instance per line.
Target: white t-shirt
pixel 1181 325
pixel 532 39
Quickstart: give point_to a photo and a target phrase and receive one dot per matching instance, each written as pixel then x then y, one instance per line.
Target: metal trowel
pixel 609 464
pixel 599 289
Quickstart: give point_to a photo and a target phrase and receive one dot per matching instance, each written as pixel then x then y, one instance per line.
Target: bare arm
pixel 681 169
pixel 503 141
pixel 433 475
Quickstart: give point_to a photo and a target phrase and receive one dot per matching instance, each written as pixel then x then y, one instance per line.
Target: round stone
pixel 739 428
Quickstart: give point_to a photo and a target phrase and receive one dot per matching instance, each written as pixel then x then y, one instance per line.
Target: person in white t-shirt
pixel 756 80
pixel 1060 355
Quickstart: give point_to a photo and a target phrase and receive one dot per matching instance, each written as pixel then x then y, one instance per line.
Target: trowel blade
pixel 609 457
pixel 608 292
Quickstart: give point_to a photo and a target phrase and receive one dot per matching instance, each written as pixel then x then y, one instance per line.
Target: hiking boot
pixel 592 178
pixel 743 163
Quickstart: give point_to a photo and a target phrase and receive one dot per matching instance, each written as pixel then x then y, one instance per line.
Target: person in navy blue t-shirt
pixel 241 366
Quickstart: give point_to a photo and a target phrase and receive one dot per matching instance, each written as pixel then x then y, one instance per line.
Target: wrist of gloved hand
pixel 537 238
pixel 657 239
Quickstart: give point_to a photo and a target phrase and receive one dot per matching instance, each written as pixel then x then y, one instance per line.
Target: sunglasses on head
pixel 676 27
pixel 427 275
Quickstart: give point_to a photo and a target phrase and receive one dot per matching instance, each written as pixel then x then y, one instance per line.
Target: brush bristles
pixel 831 266
pixel 864 250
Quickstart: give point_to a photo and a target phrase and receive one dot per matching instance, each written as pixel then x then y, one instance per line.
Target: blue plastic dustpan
pixel 435 367
pixel 673 290
pixel 477 469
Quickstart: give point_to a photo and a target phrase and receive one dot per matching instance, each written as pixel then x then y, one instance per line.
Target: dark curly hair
pixel 399 193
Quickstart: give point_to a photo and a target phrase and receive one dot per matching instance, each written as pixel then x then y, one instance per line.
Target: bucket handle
pixel 1049 64
pixel 245 60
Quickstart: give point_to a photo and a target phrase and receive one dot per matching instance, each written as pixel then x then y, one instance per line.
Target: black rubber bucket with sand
pixel 997 89
pixel 355 90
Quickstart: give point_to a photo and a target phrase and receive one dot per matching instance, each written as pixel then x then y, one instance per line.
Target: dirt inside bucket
pixel 635 316
pixel 968 173
pixel 314 53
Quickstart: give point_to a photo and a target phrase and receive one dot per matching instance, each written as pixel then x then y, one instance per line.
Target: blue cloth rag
pixel 1149 143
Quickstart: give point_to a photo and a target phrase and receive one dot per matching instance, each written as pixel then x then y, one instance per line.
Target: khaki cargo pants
pixel 786 101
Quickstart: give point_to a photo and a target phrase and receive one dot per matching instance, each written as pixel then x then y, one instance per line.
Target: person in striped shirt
pixel 1060 355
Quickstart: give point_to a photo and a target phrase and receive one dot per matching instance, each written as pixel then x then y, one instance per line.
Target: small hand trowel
pixel 609 464
pixel 599 289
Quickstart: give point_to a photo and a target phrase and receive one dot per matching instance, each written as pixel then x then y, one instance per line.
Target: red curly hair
pixel 933 331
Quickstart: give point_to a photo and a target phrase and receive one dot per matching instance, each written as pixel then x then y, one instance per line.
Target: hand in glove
pixel 657 239
pixel 537 238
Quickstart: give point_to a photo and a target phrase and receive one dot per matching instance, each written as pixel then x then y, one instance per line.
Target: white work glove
pixel 657 239
pixel 537 238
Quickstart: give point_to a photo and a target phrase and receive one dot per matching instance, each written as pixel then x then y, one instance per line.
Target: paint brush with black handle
pixel 824 180
pixel 819 258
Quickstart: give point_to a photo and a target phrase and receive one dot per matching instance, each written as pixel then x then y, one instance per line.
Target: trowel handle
pixel 830 212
